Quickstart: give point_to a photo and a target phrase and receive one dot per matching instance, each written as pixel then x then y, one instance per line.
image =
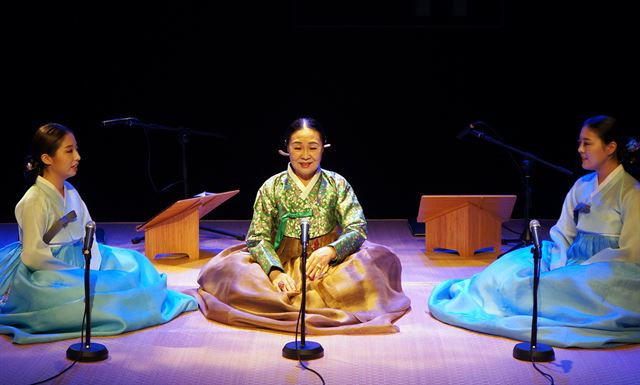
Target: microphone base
pixel 541 353
pixel 80 352
pixel 310 351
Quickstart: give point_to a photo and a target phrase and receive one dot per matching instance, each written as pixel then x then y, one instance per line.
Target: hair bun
pixel 30 164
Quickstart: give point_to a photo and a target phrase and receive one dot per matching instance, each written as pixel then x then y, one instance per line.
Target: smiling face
pixel 596 155
pixel 64 162
pixel 305 152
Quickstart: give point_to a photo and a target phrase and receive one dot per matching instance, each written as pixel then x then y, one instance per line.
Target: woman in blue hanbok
pixel 42 275
pixel 589 292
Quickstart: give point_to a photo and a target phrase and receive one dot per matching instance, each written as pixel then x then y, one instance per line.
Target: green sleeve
pixel 351 219
pixel 262 227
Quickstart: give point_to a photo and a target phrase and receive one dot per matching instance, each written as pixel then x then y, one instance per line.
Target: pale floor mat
pixel 193 350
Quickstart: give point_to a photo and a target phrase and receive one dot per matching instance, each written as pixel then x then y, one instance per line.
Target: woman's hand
pixel 318 262
pixel 282 281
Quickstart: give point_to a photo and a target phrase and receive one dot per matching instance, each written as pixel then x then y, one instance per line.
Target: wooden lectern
pixel 464 223
pixel 177 228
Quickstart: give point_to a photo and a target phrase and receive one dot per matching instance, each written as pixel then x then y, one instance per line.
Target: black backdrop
pixel 393 83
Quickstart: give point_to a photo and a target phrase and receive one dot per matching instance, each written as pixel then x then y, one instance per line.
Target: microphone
pixel 534 227
pixel 89 232
pixel 304 233
pixel 128 121
pixel 470 128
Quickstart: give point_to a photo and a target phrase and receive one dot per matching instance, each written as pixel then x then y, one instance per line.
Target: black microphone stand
pixel 533 351
pixel 525 236
pixel 87 351
pixel 183 137
pixel 303 350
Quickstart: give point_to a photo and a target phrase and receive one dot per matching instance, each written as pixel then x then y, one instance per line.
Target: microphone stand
pixel 303 350
pixel 532 351
pixel 87 351
pixel 525 236
pixel 183 137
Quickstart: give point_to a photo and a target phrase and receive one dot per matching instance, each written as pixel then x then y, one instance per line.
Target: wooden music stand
pixel 467 224
pixel 177 228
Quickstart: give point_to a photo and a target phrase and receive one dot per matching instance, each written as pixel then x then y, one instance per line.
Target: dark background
pixel 393 83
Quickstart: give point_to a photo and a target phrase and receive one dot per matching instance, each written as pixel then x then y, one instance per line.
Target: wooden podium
pixel 177 228
pixel 467 224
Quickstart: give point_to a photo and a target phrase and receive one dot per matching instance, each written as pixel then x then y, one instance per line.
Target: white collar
pixel 306 190
pixel 606 181
pixel 44 183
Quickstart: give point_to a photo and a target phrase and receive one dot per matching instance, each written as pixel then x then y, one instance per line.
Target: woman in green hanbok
pixel 353 285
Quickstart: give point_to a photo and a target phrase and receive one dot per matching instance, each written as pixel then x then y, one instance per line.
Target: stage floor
pixel 194 350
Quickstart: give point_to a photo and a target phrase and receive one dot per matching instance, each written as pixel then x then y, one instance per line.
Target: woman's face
pixel 305 152
pixel 64 163
pixel 593 151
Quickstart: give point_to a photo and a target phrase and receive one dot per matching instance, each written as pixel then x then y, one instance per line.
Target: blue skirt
pixel 127 293
pixel 590 306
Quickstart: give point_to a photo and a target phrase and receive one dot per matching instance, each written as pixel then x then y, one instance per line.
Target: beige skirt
pixel 361 295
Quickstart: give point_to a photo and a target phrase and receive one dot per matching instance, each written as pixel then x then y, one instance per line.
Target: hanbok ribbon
pixel 283 224
pixel 58 225
pixel 580 208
